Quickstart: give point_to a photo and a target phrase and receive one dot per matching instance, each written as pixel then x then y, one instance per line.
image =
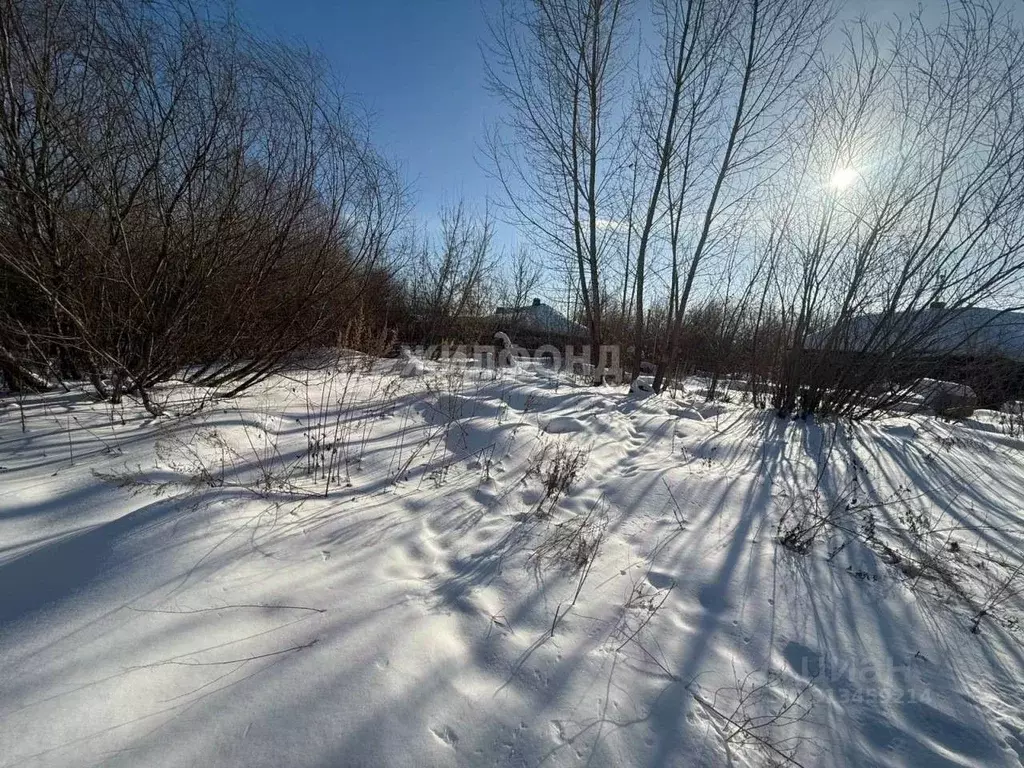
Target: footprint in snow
pixel 660 580
pixel 447 735
pixel 804 661
pixel 562 425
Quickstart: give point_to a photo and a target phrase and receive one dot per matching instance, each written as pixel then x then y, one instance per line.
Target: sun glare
pixel 843 177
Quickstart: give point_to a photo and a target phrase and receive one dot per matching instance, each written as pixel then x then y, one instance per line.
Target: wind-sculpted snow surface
pixel 501 568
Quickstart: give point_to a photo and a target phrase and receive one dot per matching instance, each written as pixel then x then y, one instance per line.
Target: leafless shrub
pixel 188 461
pixel 572 544
pixel 344 399
pixel 200 203
pixel 755 712
pixel 639 611
pixel 926 551
pixel 558 465
pixel 1000 594
pixel 187 457
pixel 808 515
pixel 135 481
pixel 1012 419
pixel 677 511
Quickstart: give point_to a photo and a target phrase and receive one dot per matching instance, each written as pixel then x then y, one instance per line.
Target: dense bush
pixel 175 192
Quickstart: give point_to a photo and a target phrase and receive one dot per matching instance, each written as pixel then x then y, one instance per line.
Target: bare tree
pixel 918 146
pixel 768 51
pixel 450 275
pixel 672 107
pixel 556 65
pixel 518 283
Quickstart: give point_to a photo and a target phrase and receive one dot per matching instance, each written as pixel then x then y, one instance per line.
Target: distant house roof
pixel 539 318
pixel 966 331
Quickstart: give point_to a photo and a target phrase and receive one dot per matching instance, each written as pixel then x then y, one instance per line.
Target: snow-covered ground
pixel 361 568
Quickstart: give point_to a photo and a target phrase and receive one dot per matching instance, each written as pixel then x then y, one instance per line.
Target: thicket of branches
pixel 176 195
pixel 761 174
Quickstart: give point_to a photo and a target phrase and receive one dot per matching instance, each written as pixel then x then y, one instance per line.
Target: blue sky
pixel 416 65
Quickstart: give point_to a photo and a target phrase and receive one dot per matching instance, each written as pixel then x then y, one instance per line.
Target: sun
pixel 844 177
